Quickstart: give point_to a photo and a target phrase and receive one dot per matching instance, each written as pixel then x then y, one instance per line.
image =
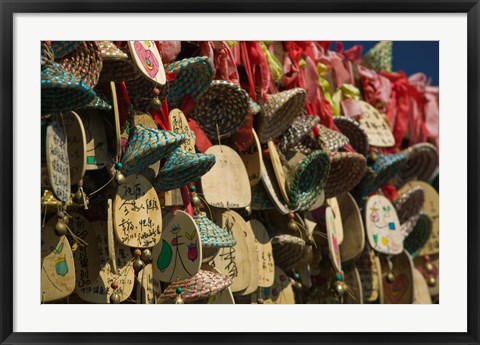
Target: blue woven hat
pixel 182 168
pixel 62 91
pixel 385 167
pixel 62 48
pixel 147 146
pixel 193 76
pixel 211 234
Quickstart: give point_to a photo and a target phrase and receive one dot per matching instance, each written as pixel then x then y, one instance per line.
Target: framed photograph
pixel 274 167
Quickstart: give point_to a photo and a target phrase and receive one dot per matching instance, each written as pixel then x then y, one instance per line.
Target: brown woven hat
pixel 331 139
pixel 222 109
pixel 410 203
pixel 287 250
pixel 300 128
pixel 346 171
pixel 279 111
pixel 140 92
pixel 117 63
pixel 84 62
pixel 62 48
pixel 355 134
pixel 421 163
pixel 202 285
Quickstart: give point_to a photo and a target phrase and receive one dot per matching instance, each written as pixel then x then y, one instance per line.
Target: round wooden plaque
pixel 57 161
pixel 375 126
pixel 77 144
pixel 148 60
pixel 266 266
pixel 252 158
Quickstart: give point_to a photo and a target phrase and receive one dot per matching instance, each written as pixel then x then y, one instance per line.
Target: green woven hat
pixel 307 179
pixel 279 111
pixel 379 57
pixel 147 146
pixel 385 168
pixel 222 109
pixel 192 77
pixel 62 91
pixel 182 168
pixel 346 171
pixel 211 235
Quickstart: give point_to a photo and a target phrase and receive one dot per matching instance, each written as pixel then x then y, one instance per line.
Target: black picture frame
pixel 10 7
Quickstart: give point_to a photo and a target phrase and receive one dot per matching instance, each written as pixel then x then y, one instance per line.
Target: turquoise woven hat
pixel 307 180
pixel 385 168
pixel 192 77
pixel 62 91
pixel 211 235
pixel 147 146
pixel 182 168
pixel 422 161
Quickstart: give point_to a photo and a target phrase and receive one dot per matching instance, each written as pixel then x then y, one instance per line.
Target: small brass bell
pixel 340 288
pixel 248 211
pixel 155 103
pixel 196 200
pixel 431 281
pixel 119 177
pixel 115 298
pixel 390 277
pixel 292 225
pixel 138 264
pixel 146 255
pixel 78 196
pixel 60 228
pixel 179 300
pixel 260 301
pixel 428 267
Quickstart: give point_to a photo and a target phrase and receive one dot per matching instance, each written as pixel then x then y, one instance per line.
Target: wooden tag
pixel 178 254
pixel 383 226
pixel 116 117
pixel 148 60
pixel 233 261
pixel 375 126
pixel 58 270
pixel 334 250
pixel 172 198
pixel 252 158
pixel 421 294
pixel 431 209
pixel 137 214
pixel 272 188
pixel 266 266
pixel 87 258
pixel 434 273
pixel 400 291
pixel 352 279
pixel 222 297
pixel 179 124
pixel 76 142
pixel 96 138
pixel 57 161
pixel 150 287
pixel 352 224
pixel 99 290
pixel 333 203
pixel 278 169
pixel 319 201
pixel 281 292
pixel 234 190
pixel 370 277
pixel 252 257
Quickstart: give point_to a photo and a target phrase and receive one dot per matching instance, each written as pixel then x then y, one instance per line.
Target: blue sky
pixel 409 56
